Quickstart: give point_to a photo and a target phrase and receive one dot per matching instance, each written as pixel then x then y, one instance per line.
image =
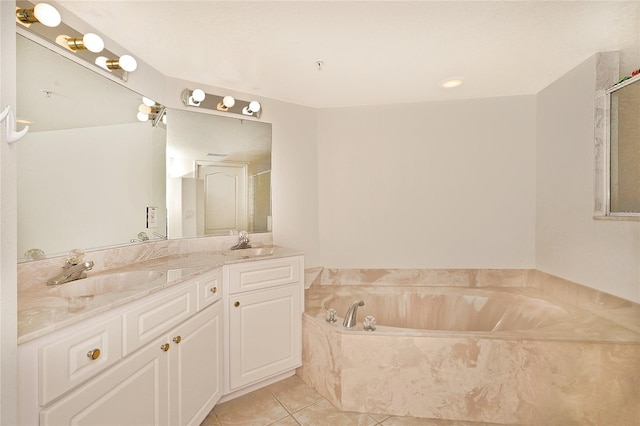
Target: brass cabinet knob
pixel 214 290
pixel 165 347
pixel 236 304
pixel 94 354
pixel 177 339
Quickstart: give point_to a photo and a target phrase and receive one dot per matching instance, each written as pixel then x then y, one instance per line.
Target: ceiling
pixel 379 52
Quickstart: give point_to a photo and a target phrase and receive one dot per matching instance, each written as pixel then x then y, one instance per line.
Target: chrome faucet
pixel 243 241
pixel 71 272
pixel 352 312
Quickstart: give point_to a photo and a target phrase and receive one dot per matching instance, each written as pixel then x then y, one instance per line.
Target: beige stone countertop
pixel 43 309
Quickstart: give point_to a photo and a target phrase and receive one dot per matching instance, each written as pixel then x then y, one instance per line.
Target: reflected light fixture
pixel 125 62
pixel 149 110
pixel 196 97
pixel 44 13
pixel 226 103
pixel 90 41
pixel 254 107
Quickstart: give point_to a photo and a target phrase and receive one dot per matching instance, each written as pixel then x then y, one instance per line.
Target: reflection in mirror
pixel 90 175
pixel 624 149
pixel 218 175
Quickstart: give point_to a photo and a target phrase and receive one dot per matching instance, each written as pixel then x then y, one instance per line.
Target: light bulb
pixel 145 109
pixel 93 42
pixel 228 101
pixel 101 61
pixel 142 116
pixel 128 63
pixel 254 106
pixel 198 95
pixel 148 101
pixel 47 15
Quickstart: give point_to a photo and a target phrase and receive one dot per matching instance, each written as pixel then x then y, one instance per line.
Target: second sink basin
pixel 252 252
pixel 102 284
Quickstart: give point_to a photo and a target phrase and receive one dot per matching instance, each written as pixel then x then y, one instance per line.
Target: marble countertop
pixel 42 310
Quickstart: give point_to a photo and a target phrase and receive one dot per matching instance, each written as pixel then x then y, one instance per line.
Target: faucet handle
pixel 74 257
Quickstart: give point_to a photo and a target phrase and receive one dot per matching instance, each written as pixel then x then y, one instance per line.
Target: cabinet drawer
pixel 264 274
pixel 70 361
pixel 153 318
pixel 209 289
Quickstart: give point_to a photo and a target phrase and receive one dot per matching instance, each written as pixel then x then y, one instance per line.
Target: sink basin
pixel 102 284
pixel 252 252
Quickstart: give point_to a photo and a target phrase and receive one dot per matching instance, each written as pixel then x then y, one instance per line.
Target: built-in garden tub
pixel 497 355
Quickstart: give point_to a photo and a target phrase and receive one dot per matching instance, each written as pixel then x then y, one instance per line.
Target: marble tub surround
pixel 620 311
pixel 428 277
pixel 505 381
pixel 41 311
pixel 584 369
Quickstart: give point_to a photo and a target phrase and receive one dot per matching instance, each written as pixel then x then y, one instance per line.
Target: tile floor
pixel 291 402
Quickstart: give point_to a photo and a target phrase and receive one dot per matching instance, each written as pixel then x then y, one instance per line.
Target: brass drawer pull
pixel 165 347
pixel 214 290
pixel 236 304
pixel 177 339
pixel 94 354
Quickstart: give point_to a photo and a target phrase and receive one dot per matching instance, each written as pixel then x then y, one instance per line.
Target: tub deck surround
pixel 496 313
pixel 40 312
pixel 581 369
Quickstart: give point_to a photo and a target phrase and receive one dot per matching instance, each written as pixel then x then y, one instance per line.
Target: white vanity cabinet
pixel 157 361
pixel 264 302
pixel 169 357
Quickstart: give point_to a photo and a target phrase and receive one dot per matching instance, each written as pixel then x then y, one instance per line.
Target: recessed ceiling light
pixel 451 82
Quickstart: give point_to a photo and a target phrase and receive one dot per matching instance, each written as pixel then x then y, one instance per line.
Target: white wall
pixel 446 184
pixel 603 254
pixel 8 234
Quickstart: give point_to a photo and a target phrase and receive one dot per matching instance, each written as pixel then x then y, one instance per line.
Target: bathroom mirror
pixel 90 174
pixel 218 174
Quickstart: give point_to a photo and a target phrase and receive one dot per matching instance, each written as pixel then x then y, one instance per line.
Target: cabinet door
pixel 196 366
pixel 134 392
pixel 264 334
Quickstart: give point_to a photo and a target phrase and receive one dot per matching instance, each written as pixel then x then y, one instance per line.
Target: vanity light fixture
pixel 43 13
pixel 229 104
pixel 125 62
pixel 252 109
pixel 226 103
pixel 90 41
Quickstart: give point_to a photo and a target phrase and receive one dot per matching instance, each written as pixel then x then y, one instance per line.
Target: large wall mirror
pixel 90 175
pixel 218 175
pixel 88 170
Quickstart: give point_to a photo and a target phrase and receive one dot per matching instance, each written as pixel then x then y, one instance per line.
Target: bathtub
pixel 494 355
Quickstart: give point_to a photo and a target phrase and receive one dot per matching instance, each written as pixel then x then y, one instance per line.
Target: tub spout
pixel 350 317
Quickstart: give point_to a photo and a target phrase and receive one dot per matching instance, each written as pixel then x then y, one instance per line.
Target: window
pixel 620 189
